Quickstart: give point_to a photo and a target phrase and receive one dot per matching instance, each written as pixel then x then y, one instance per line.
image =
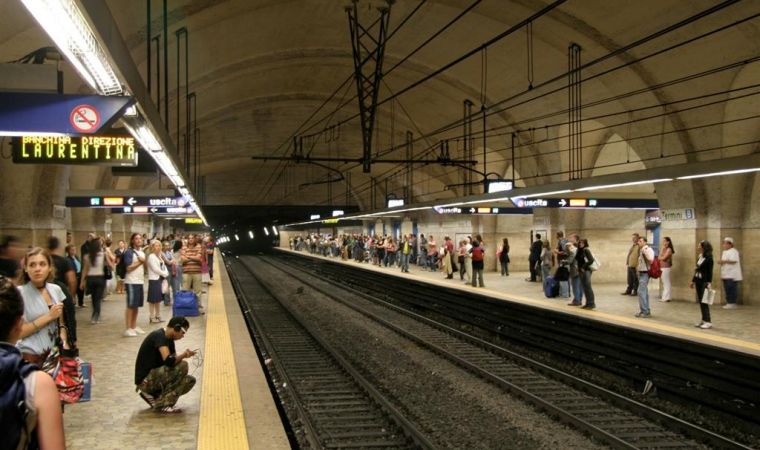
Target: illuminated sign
pixel 107 202
pixel 113 201
pixel 328 221
pixel 532 203
pixel 338 212
pixel 484 211
pixel 104 150
pixel 195 221
pixel 602 203
pixel 395 202
pixel 314 217
pixel 499 186
pixel 578 202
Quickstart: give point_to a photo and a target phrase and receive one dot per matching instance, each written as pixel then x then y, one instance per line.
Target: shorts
pixel 134 295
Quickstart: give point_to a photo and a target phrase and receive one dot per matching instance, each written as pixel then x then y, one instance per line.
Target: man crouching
pixel 160 373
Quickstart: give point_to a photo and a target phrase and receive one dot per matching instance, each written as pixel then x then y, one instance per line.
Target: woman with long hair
pixel 584 268
pixel 503 255
pixel 93 277
pixel 703 280
pixel 156 271
pixel 666 263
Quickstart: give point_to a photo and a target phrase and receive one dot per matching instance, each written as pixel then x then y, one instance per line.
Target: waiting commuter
pixel 415 252
pixel 585 262
pixel 160 373
pixel 11 252
pixel 447 262
pixel 730 272
pixel 703 280
pixel 478 255
pixel 406 253
pixel 666 264
pixel 109 267
pixel 134 259
pixel 192 258
pixel 168 258
pixel 176 253
pixel 65 274
pixel 546 260
pixel 572 254
pixel 390 252
pixel 118 254
pixel 93 277
pixel 632 264
pixel 210 246
pixel 503 256
pixel 43 308
pixel 534 257
pixel 86 245
pixel 422 262
pixel 156 273
pixel 646 256
pixel 461 252
pixel 468 260
pixel 432 254
pixel 30 409
pixel 76 263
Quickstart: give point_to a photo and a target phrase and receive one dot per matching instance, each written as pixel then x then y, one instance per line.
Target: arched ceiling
pixel 260 68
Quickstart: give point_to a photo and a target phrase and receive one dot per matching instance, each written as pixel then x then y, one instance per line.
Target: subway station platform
pixel 230 407
pixel 734 329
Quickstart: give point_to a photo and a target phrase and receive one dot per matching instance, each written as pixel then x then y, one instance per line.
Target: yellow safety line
pixel 645 324
pixel 222 423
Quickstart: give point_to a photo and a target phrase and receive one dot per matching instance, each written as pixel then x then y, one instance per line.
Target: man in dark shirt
pixel 160 373
pixel 535 256
pixel 11 252
pixel 66 278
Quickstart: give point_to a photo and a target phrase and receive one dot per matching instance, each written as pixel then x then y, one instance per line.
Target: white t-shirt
pixel 731 271
pixel 136 276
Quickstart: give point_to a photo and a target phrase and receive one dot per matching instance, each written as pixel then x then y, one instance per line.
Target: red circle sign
pixel 85 118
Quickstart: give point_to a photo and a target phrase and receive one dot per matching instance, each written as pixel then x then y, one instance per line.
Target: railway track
pixel 613 419
pixel 335 406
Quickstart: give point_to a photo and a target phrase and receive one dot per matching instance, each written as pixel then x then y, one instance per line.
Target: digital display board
pixel 101 150
pixel 111 201
pixel 578 203
pixel 395 202
pixel 499 186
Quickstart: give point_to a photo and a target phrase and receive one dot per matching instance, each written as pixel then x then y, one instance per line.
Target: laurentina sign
pixel 103 150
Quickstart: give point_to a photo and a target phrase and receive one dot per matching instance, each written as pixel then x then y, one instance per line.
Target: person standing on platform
pixel 666 263
pixel 191 258
pixel 406 252
pixel 86 245
pixel 646 256
pixel 156 273
pixel 168 258
pixel 478 256
pixel 134 259
pixel 461 251
pixel 432 254
pixel 585 261
pixel 415 250
pixel 93 277
pixel 572 254
pixel 422 261
pixel 11 252
pixel 160 373
pixel 534 258
pixel 503 256
pixel 210 258
pixel 730 272
pixel 65 274
pixel 76 263
pixel 118 254
pixel 632 263
pixel 547 259
pixel 30 409
pixel 703 280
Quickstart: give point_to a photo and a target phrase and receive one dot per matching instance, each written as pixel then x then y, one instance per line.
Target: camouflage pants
pixel 166 384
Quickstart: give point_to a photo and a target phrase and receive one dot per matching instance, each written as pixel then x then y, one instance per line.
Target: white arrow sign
pixel 472 210
pixel 131 201
pixel 562 202
pixel 154 210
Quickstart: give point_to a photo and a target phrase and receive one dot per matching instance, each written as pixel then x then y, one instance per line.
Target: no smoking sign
pixel 85 118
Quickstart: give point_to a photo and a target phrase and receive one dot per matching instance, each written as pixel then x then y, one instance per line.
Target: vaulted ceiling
pixel 260 69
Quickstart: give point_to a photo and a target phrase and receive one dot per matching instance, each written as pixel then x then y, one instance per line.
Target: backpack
pixel 654 269
pixel 477 253
pixel 121 266
pixel 13 410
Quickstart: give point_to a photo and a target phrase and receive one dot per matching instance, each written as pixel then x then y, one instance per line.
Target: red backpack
pixel 654 269
pixel 477 253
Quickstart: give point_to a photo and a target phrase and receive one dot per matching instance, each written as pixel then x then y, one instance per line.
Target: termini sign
pixel 104 150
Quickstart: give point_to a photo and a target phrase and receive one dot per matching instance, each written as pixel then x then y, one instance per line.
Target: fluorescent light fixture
pixel 250 233
pixel 543 194
pixel 338 212
pixel 131 111
pixel 236 237
pixel 395 202
pixel 632 183
pixel 183 191
pixel 274 230
pixel 64 23
pixel 314 217
pixel 716 174
pixel 26 133
pixel 145 137
pixel 499 185
pixel 266 231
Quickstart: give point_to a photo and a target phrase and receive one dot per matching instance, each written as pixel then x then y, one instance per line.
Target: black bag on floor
pixel 562 274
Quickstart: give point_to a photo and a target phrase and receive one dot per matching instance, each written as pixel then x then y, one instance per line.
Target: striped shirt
pixel 192 265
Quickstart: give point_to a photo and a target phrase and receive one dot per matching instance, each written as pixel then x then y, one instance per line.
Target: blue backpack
pixel 13 410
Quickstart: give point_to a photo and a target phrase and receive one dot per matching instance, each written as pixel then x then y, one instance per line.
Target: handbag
pixel 65 367
pixel 164 286
pixel 594 266
pixel 708 297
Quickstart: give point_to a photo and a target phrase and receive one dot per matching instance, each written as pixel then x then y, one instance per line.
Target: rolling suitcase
pixel 185 304
pixel 551 287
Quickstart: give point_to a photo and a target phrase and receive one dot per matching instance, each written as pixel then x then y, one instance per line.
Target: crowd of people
pixel 41 290
pixel 568 266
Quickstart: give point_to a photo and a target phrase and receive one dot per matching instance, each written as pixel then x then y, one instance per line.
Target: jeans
pixel 666 284
pixel 432 260
pixel 390 258
pixel 546 271
pixel 730 287
pixel 504 268
pixel 703 307
pixel 422 262
pixel 575 283
pixel 644 292
pixel 404 262
pixel 477 275
pixel 96 286
pixel 587 290
pixel 210 259
pixel 633 281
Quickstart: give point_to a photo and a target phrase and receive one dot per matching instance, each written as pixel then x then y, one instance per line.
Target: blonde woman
pixel 156 273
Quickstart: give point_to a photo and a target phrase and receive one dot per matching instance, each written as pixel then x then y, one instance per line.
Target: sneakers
pixel 664 301
pixel 705 325
pixel 572 303
pixel 130 333
pixel 643 315
pixel 730 306
pixel 138 330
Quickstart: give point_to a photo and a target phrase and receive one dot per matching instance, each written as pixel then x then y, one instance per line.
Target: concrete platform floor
pixel 736 329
